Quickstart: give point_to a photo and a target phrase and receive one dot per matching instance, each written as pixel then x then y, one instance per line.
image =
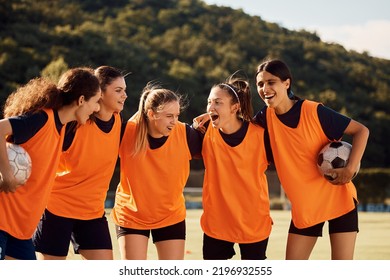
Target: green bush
pixel 373 185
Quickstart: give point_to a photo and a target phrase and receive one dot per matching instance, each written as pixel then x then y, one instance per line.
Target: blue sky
pixel 356 24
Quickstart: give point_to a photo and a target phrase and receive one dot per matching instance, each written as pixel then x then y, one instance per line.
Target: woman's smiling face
pixel 272 89
pixel 220 107
pixel 162 122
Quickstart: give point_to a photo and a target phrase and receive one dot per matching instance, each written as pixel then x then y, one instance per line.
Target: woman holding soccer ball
pixel 298 129
pixel 35 116
pixel 155 155
pixel 75 211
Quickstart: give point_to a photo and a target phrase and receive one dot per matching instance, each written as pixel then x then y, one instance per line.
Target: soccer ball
pixel 20 162
pixel 334 155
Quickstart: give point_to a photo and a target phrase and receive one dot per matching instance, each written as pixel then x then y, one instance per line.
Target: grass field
pixel 373 241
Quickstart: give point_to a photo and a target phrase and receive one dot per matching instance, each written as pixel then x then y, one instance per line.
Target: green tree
pixel 55 69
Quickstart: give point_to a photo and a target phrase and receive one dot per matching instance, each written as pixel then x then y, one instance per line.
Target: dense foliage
pixel 188 46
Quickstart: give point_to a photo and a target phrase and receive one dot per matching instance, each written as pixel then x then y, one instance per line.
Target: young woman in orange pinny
pixel 298 129
pixel 236 206
pixel 75 211
pixel 34 118
pixel 154 162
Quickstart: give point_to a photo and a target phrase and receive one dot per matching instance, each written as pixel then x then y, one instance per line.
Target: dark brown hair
pixel 239 90
pixel 40 93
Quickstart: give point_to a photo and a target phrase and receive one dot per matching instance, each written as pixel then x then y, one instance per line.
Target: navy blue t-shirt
pixel 193 140
pixel 26 126
pixel 333 123
pixel 104 126
pixel 234 139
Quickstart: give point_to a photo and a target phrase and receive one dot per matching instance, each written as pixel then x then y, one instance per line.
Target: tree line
pixel 188 46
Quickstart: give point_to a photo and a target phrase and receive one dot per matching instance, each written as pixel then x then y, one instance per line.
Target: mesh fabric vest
pixel 295 150
pixel 155 181
pixel 235 190
pixel 85 172
pixel 20 211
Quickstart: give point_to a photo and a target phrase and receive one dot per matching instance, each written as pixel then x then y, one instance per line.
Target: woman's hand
pixel 199 121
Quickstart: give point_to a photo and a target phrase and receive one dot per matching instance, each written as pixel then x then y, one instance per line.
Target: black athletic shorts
pixel 345 223
pixel 54 234
pixel 176 231
pixel 216 249
pixel 16 248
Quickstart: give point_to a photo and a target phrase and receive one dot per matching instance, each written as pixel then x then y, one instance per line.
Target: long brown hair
pixel 40 93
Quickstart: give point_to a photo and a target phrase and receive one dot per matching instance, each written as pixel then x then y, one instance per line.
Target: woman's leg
pixel 133 247
pixel 170 249
pixel 96 254
pixel 343 245
pixel 299 247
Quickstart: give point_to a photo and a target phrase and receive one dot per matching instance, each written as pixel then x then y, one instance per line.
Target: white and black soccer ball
pixel 334 155
pixel 20 162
